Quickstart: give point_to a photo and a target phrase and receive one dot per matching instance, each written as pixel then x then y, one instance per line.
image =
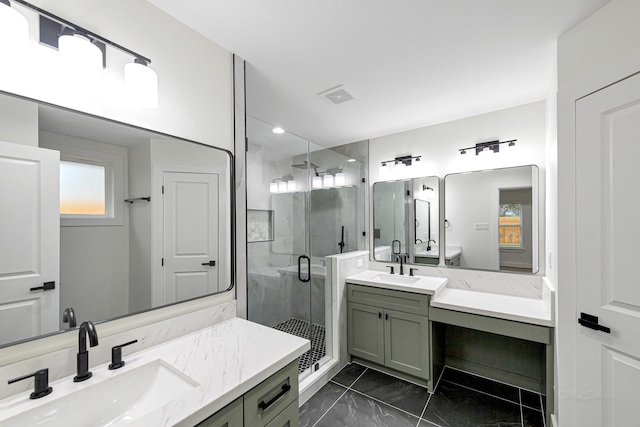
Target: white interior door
pixel 190 235
pixel 30 241
pixel 608 255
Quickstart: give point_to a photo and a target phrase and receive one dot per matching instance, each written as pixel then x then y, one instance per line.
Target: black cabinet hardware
pixel 285 389
pixel 386 316
pixel 46 286
pixel 116 355
pixel 41 383
pixel 210 263
pixel 300 258
pixel 379 315
pixel 591 322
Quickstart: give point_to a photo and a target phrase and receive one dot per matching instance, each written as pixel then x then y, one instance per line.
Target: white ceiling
pixel 410 63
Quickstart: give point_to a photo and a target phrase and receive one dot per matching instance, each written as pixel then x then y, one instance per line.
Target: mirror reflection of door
pixel 514 229
pixel 190 236
pixel 29 189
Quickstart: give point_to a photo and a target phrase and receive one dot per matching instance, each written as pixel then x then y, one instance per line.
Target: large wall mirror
pixel 144 219
pixel 491 218
pixel 407 212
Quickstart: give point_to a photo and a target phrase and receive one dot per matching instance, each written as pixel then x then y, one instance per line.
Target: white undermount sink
pixel 395 278
pixel 114 401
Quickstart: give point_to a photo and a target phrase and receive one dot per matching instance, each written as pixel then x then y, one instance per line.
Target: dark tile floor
pixel 360 396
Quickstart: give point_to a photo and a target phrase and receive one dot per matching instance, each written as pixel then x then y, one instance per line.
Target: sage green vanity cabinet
pixel 272 403
pixel 290 417
pixel 229 416
pixel 389 328
pixel 265 401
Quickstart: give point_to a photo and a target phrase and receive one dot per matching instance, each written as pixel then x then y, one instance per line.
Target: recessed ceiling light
pixel 277 130
pixel 351 160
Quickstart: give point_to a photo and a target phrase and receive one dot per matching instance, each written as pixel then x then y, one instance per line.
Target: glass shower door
pixel 278 262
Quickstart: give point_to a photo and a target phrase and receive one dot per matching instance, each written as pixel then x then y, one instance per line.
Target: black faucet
pixel 429 244
pixel 403 258
pixel 86 328
pixel 69 316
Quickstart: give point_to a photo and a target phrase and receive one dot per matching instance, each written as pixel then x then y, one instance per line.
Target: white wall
pixel 194 74
pixel 439 144
pixel 140 228
pixel 599 51
pixel 18 121
pixel 94 260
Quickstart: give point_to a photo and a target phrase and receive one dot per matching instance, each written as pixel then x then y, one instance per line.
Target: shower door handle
pixel 308 279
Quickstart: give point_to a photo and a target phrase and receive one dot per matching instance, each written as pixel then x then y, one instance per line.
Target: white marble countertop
pixel 226 359
pixel 427 285
pixel 528 310
pixel 536 311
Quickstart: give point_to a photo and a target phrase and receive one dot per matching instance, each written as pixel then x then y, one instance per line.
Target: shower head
pixel 306 165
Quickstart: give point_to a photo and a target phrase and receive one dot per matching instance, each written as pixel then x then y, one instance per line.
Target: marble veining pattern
pixel 536 311
pixel 226 359
pixel 62 363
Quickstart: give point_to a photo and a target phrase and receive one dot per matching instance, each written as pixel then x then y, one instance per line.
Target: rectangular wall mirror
pixel 491 218
pixel 407 211
pixel 144 219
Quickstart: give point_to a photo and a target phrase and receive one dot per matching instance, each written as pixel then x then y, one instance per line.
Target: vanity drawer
pixel 290 417
pixel 265 401
pixel 229 416
pixel 406 302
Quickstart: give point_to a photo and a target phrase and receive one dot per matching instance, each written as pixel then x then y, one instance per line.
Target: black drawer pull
pixel 285 389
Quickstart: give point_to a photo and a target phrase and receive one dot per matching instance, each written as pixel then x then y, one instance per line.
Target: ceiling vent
pixel 337 95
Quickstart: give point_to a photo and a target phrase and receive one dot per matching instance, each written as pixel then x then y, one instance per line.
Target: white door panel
pixel 190 235
pixel 30 236
pixel 608 202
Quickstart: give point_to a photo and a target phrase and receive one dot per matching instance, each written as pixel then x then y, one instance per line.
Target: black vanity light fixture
pixel 84 52
pixel 488 146
pixel 402 160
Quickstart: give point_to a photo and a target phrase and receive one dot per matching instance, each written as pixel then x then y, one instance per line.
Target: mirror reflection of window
pixel 82 188
pixel 510 225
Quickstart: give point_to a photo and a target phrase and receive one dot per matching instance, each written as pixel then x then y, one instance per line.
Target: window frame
pixel 114 159
pixel 519 248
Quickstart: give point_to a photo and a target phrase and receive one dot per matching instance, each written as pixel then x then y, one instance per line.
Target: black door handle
pixel 591 322
pixel 46 286
pixel 308 279
pixel 210 263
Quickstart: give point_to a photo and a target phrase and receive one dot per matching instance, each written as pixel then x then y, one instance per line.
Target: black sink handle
pixel 41 383
pixel 116 355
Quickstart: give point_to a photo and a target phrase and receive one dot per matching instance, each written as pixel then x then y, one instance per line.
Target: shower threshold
pixel 300 328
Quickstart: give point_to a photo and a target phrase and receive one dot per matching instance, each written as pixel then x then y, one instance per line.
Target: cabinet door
pixel 365 332
pixel 290 417
pixel 229 416
pixel 406 339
